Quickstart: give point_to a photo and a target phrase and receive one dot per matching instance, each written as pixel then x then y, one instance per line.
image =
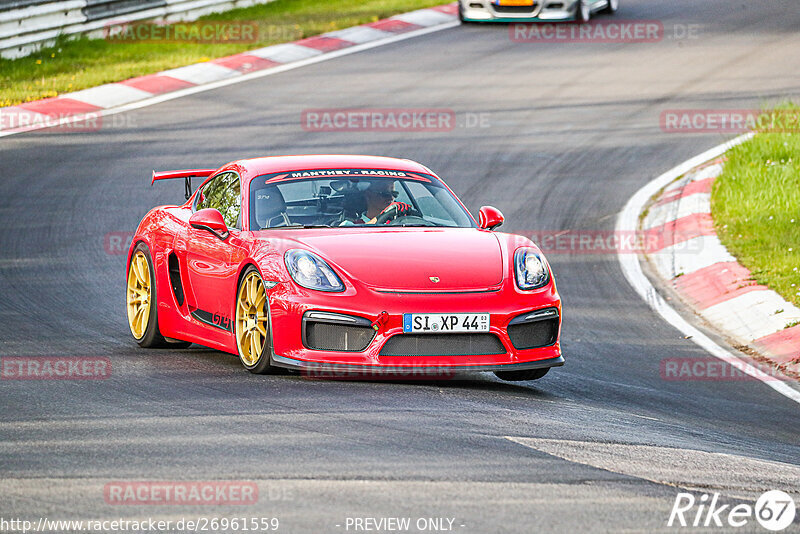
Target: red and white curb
pixel 684 249
pixel 139 92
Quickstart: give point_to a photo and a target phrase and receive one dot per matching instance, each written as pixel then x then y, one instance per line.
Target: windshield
pixel 344 198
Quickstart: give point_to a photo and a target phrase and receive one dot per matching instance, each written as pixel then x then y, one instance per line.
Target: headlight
pixel 531 269
pixel 311 271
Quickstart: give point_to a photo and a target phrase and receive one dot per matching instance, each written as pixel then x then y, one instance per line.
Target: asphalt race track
pixel 571 132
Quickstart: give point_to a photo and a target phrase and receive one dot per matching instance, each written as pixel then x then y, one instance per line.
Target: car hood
pixel 414 259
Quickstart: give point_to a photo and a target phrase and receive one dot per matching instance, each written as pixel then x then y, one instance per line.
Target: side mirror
pixel 211 220
pixel 490 218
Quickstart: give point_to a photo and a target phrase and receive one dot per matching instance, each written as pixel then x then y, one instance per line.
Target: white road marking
pixel 752 315
pixel 251 76
pixel 285 53
pixel 628 221
pixel 689 256
pixel 735 475
pixel 424 17
pixel 677 209
pixel 108 95
pixel 200 73
pixel 359 34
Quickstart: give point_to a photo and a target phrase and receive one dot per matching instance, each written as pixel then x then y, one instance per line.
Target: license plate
pixel 445 323
pixel 514 2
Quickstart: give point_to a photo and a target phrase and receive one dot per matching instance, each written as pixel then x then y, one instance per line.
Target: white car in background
pixel 533 10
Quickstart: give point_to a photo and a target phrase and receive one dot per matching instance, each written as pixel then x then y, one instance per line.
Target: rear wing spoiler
pixel 187 176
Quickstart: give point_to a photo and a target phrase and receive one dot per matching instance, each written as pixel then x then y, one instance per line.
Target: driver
pixel 381 208
pixel 381 205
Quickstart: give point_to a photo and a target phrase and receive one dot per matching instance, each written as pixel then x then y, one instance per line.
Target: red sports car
pixel 341 264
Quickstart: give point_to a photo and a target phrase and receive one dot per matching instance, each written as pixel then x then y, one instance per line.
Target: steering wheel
pixel 392 215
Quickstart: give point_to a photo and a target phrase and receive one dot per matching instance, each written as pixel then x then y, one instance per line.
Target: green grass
pixel 756 207
pixel 74 64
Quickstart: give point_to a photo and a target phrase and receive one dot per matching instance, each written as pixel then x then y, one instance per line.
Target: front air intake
pixel 517 10
pixel 442 345
pixel 534 330
pixel 336 332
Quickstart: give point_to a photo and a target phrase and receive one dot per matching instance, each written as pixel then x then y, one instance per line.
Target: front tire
pixel 521 376
pixel 251 328
pixel 582 12
pixel 612 7
pixel 461 15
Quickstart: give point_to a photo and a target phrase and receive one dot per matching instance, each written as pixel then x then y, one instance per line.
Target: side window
pixel 223 193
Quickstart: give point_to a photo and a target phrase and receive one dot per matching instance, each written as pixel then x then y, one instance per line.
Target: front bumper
pixel 288 308
pixel 330 370
pixel 541 11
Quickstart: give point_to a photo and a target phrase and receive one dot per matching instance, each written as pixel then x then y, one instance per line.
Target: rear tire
pixel 142 299
pixel 521 376
pixel 251 326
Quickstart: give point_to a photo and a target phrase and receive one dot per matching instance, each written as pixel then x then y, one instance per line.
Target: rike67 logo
pixel 774 510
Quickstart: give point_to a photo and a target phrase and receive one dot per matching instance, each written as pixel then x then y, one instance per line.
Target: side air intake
pixel 175 278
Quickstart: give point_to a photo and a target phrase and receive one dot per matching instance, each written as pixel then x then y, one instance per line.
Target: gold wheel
pixel 252 322
pixel 139 294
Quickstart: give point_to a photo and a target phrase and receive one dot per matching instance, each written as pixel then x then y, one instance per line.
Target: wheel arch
pixel 137 239
pixel 161 283
pixel 246 264
pixel 243 268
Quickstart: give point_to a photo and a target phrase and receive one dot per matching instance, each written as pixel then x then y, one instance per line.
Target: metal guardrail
pixel 6 5
pixel 103 9
pixel 26 25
